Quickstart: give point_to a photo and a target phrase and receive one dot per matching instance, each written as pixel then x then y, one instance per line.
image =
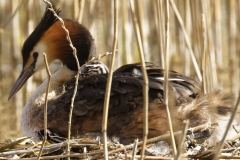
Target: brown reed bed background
pixel 220 41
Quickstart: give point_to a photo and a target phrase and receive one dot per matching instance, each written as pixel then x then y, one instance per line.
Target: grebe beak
pixel 25 74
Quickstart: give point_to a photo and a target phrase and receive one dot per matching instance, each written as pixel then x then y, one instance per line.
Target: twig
pixel 187 40
pixel 125 154
pixel 9 145
pixel 235 128
pixel 220 145
pixel 97 58
pixel 183 136
pixel 134 149
pixel 202 127
pixel 85 152
pixel 166 91
pixel 145 78
pixel 109 81
pixel 77 75
pixel 45 106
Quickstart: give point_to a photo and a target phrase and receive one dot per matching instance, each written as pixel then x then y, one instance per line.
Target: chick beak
pixel 25 74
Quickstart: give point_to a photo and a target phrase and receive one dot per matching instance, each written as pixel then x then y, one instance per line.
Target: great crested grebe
pixel 125 113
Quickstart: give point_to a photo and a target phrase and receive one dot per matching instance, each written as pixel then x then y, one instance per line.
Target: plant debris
pixel 195 147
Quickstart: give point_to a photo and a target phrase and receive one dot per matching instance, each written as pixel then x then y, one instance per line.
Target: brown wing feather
pixel 125 103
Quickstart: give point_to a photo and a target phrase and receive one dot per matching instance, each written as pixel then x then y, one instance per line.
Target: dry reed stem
pixel 125 153
pixel 109 81
pixel 134 152
pixel 160 34
pixel 221 143
pixel 148 157
pixel 166 74
pixel 145 77
pixel 210 58
pixel 96 58
pixel 204 80
pixel 187 40
pixel 188 27
pixel 9 145
pixel 77 155
pixel 218 32
pixel 49 149
pixel 229 157
pixel 142 28
pixel 182 139
pixel 45 106
pixel 33 150
pixel 224 157
pixel 203 127
pixel 235 129
pixel 233 61
pixel 82 4
pixel 85 153
pixel 77 75
pixel 237 136
pixel 30 148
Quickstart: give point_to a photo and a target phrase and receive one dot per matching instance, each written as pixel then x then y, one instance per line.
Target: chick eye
pixel 35 55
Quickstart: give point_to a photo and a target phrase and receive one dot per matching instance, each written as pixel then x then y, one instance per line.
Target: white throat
pixel 33 111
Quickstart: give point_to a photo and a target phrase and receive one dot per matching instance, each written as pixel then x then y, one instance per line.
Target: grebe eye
pixel 35 55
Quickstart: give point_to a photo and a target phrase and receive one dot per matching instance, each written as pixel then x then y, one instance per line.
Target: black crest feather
pixel 46 22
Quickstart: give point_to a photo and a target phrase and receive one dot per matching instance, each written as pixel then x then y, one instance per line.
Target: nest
pixel 194 146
